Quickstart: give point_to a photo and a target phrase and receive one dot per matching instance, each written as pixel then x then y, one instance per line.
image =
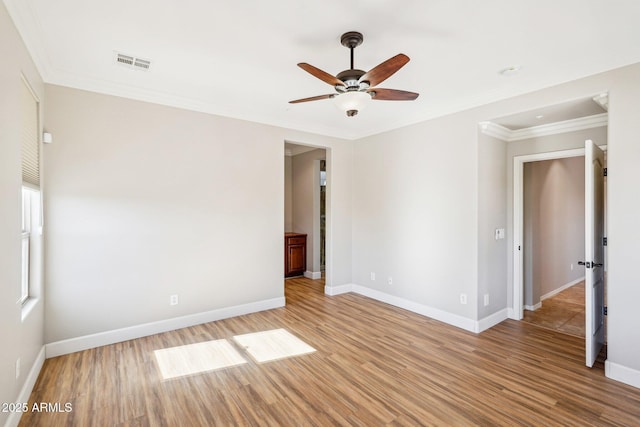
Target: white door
pixel 594 251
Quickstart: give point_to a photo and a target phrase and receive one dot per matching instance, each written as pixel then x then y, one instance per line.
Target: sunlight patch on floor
pixel 272 345
pixel 196 358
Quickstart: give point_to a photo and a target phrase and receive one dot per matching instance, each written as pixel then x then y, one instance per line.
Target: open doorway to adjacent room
pixel 305 222
pixel 545 149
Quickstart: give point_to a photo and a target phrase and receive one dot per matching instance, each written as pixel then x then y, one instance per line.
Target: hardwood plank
pixel 375 365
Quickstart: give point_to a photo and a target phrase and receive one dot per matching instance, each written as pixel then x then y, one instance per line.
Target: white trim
pixel 313 275
pixel 424 310
pixel 492 320
pixel 622 373
pixel 518 218
pixel 14 417
pixel 434 313
pixel 518 212
pixel 573 125
pixel 495 130
pixel 560 289
pixel 72 345
pixel 533 307
pixel 498 131
pixel 337 290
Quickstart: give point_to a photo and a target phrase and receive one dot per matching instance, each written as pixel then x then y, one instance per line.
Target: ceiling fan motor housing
pixel 351 79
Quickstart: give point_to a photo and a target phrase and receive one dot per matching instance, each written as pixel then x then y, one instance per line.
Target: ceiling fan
pixel 355 88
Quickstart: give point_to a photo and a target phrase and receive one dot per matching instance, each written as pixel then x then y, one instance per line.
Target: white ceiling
pixel 569 110
pixel 238 58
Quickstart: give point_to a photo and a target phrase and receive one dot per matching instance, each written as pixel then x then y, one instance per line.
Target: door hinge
pixel 604 241
pixel 604 171
pixel 604 310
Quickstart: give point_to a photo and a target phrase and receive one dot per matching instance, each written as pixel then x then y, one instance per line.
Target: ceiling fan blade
pixel 383 71
pixel 313 98
pixel 322 75
pixel 392 94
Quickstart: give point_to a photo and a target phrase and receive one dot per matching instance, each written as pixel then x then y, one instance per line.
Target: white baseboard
pixel 533 307
pixel 314 275
pixel 622 373
pixel 434 313
pixel 337 290
pixel 424 310
pixel 27 388
pixel 492 320
pixel 560 289
pixel 118 335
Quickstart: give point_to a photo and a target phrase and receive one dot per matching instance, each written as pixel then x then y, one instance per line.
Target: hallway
pixel 563 312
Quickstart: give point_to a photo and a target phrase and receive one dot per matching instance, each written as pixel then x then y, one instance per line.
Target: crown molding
pixel 497 131
pixel 602 100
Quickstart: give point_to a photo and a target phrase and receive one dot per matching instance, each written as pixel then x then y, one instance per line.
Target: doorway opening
pixel 307 206
pixel 552 243
pixel 594 292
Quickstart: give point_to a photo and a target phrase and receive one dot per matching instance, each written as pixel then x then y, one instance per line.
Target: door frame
pixel 328 205
pixel 516 310
pixel 518 220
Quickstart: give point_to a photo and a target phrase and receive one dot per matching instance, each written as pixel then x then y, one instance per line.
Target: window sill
pixel 28 307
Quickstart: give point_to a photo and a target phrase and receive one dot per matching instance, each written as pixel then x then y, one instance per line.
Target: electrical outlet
pixel 463 298
pixel 17 368
pixel 173 300
pixel 373 276
pixel 571 266
pixel 486 300
pixel 390 280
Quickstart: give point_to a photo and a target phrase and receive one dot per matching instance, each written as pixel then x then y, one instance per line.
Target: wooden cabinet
pixel 295 254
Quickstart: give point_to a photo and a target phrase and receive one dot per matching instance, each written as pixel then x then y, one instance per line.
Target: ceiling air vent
pixel 132 62
pixel 141 63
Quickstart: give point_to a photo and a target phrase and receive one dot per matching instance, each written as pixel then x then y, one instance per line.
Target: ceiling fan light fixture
pixel 351 102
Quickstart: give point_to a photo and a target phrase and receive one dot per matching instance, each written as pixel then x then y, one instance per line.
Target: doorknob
pixel 590 264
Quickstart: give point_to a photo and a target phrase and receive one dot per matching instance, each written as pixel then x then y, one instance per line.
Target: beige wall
pixel 416 214
pixel 147 201
pixel 492 215
pixel 20 338
pixel 553 224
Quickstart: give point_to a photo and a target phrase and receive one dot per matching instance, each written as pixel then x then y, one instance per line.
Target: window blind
pixel 30 140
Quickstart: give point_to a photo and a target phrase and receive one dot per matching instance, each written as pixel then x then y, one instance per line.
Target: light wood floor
pixel 563 312
pixel 375 365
